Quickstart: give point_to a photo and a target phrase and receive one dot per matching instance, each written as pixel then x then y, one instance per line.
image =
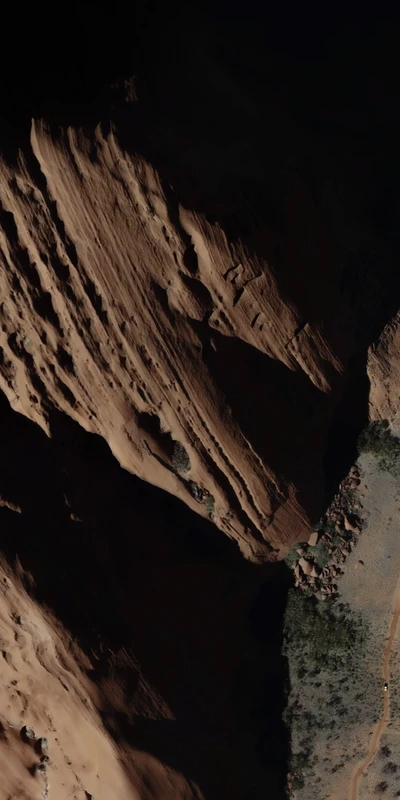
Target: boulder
pixel 297 572
pixel 325 572
pixel 351 524
pixel 315 572
pixel 42 746
pixel 28 734
pixel 306 566
pixel 313 540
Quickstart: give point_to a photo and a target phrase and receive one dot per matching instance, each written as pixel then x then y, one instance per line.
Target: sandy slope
pixel 41 689
pixel 140 320
pixel 42 686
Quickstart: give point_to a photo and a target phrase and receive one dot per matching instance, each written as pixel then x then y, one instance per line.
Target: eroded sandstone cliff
pixel 148 326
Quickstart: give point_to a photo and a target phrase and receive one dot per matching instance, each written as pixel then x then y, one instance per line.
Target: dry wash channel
pixel 383 721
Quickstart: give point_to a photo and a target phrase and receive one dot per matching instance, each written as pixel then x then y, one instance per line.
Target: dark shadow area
pixel 151 593
pixel 349 419
pixel 280 413
pixel 273 745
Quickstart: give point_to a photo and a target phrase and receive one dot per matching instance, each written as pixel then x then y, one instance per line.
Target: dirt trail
pixel 382 722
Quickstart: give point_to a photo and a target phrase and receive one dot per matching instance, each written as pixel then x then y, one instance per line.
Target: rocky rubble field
pixel 318 563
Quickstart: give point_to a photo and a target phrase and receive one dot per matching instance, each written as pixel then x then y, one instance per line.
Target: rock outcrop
pixel 384 373
pixel 148 326
pixel 322 557
pixel 151 330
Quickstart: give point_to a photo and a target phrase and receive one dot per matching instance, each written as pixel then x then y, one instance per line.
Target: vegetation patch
pixel 331 635
pixel 180 458
pixel 321 554
pixel 209 503
pixel 292 557
pixel 324 642
pixel 378 440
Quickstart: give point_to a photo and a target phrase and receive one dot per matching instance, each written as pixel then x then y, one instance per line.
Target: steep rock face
pixel 148 326
pixel 384 373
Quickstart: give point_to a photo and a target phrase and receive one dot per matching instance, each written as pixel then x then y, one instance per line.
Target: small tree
pixel 378 440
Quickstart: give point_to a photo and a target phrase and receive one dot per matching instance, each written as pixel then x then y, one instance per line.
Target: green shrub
pixel 298 782
pixel 321 554
pixel 325 525
pixel 292 556
pixel 390 767
pixel 381 787
pixel 180 459
pixel 300 760
pixel 209 503
pixel 378 440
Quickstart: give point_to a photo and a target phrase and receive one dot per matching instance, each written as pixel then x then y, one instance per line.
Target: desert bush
pixel 209 503
pixel 292 556
pixel 321 554
pixel 298 782
pixel 381 787
pixel 325 525
pixel 302 672
pixel 390 767
pixel 331 637
pixel 300 761
pixel 180 459
pixel 378 440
